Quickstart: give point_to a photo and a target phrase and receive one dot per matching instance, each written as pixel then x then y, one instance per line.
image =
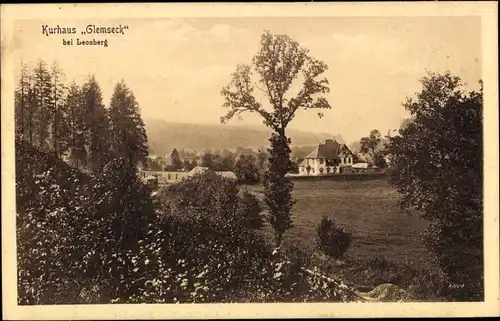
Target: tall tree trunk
pixel 55 116
pixel 40 97
pixel 73 132
pixel 22 106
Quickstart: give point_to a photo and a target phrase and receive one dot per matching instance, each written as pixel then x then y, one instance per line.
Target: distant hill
pixel 164 136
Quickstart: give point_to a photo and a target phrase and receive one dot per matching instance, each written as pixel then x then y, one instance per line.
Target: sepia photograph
pixel 208 157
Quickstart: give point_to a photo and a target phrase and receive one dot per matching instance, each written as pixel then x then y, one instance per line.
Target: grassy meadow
pixel 366 208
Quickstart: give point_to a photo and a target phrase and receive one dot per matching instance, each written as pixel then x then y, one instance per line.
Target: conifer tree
pixel 21 103
pixel 60 126
pixel 175 159
pixel 76 125
pixel 42 91
pixel 128 132
pixel 95 124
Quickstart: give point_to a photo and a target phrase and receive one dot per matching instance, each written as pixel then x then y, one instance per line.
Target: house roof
pixel 329 150
pixel 198 169
pixel 227 174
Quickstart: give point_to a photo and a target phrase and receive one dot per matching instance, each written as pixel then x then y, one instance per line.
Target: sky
pixel 177 67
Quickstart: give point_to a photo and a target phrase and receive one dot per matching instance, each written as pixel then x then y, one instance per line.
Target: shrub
pixel 209 227
pixel 190 261
pixel 291 278
pixel 76 233
pixel 250 211
pixel 210 198
pixel 377 270
pixel 49 226
pixel 421 284
pixel 430 285
pixel 332 239
pixel 246 170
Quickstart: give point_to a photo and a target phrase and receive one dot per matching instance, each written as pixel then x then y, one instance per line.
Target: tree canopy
pixel 436 163
pixel 279 62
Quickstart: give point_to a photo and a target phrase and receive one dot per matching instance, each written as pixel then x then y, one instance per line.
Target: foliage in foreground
pixel 96 239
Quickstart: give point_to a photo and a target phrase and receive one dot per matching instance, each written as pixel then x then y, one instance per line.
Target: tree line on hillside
pixel 72 121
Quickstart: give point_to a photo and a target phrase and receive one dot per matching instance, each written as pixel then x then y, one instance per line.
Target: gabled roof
pixel 329 150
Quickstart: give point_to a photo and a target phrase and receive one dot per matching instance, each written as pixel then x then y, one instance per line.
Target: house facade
pixel 328 158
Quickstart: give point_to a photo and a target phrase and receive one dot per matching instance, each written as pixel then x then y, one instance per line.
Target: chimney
pixel 329 143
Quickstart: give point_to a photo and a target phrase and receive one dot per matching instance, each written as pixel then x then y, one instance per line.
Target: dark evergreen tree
pixel 207 160
pixel 175 160
pixel 60 124
pixel 128 132
pixel 96 125
pixel 42 89
pixel 278 187
pixel 77 124
pixel 22 105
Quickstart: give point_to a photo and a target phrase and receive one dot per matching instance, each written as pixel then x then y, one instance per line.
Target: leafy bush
pixel 49 199
pixel 332 239
pixel 223 258
pixel 96 239
pixel 75 231
pixel 377 270
pixel 430 285
pixel 215 200
pixel 250 210
pixel 421 283
pixel 246 170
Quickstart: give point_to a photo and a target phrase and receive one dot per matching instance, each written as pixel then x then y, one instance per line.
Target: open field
pixel 366 208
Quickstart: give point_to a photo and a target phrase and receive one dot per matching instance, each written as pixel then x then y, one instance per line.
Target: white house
pixel 328 158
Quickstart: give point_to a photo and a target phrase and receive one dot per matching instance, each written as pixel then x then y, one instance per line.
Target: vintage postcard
pixel 249 160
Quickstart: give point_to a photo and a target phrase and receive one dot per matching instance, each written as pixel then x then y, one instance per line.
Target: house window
pixel 321 161
pixel 312 170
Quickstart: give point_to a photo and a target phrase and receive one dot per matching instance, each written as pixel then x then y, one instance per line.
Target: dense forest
pixel 72 122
